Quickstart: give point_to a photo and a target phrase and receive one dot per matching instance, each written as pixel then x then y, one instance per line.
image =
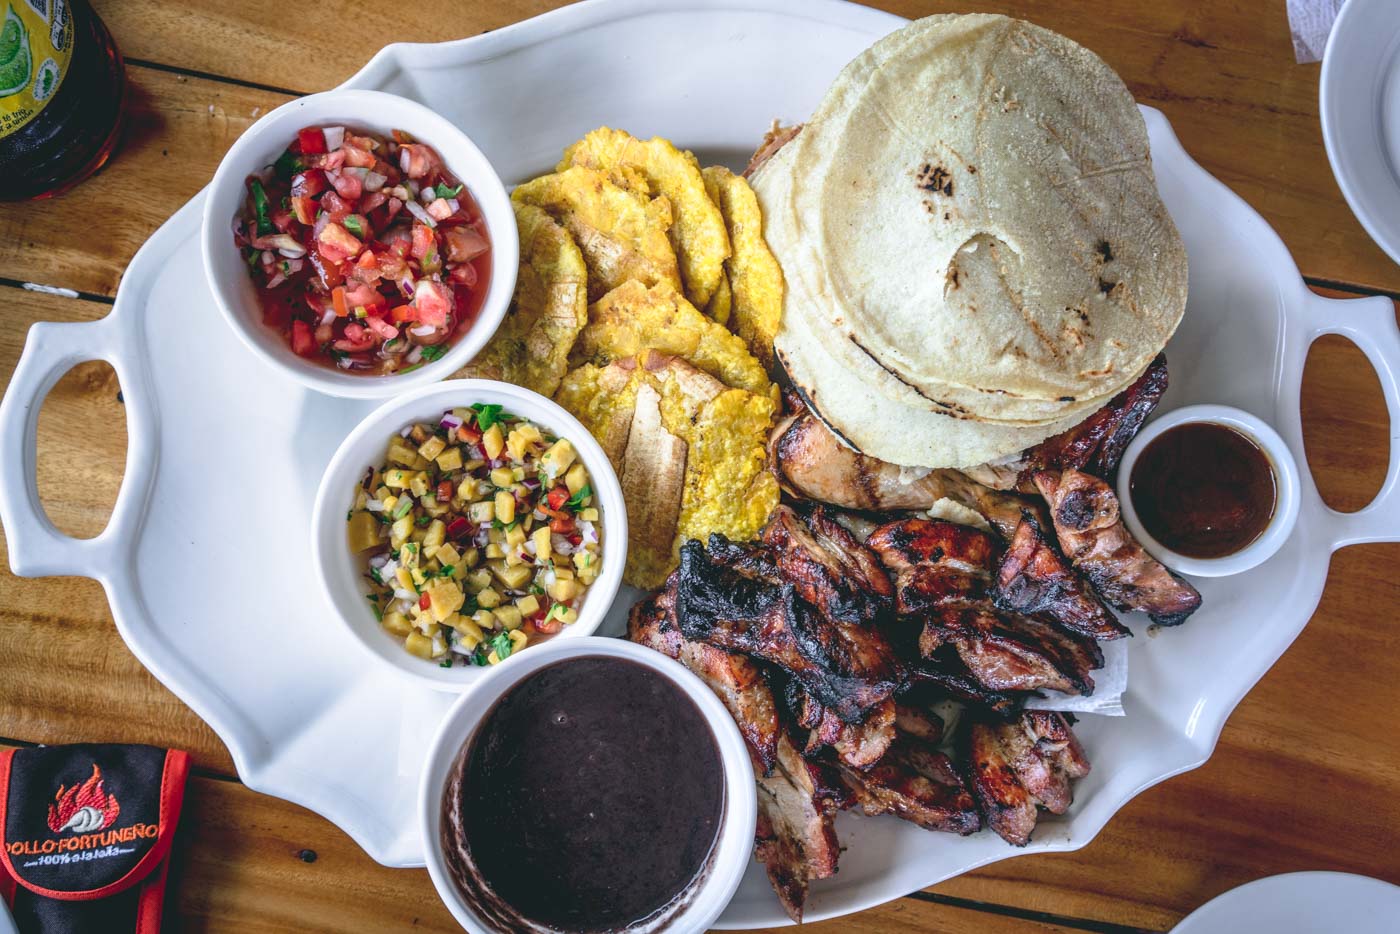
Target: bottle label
pixel 36 45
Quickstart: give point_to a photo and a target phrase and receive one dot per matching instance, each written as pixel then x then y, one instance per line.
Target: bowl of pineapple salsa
pixel 459 525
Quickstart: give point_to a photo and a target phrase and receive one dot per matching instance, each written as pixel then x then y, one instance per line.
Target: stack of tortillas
pixel 975 251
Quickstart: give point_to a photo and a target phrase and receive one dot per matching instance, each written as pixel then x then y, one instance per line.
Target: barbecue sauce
pixel 589 799
pixel 1204 490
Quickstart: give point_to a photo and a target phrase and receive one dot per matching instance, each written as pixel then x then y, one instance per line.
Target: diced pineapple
pixel 513 558
pixel 493 441
pixel 431 448
pixel 468 489
pixel 485 620
pixel 400 531
pixel 509 616
pixel 450 460
pixel 513 576
pixel 502 477
pixel 496 536
pixel 418 576
pixel 577 478
pixel 494 550
pixel 568 616
pixel 558 458
pixel 563 574
pixel 397 623
pixel 419 644
pixel 543 544
pixel 519 441
pixel 419 484
pixel 493 658
pixel 515 537
pixel 518 640
pixel 488 598
pixel 483 512
pixel 505 507
pixel 469 634
pixel 397 479
pixel 469 558
pixel 588 515
pixel 432 541
pixel 409 554
pixel 479 580
pixel 587 575
pixel 445 598
pixel 404 578
pixel 528 605
pixel 447 556
pixel 401 452
pixel 563 590
pixel 363 532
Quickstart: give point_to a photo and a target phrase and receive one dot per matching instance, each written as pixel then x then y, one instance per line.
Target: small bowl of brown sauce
pixel 591 785
pixel 1209 490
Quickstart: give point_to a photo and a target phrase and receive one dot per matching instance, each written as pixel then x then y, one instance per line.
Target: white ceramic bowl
pixel 730 857
pixel 1285 480
pixel 341 573
pixel 262 143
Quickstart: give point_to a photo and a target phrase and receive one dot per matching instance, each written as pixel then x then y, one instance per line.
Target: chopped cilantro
pixel 480 656
pixel 576 501
pixel 352 224
pixel 444 192
pixel 348 514
pixel 433 352
pixel 422 521
pixel 410 369
pixel 287 164
pixel 487 414
pixel 536 589
pixel 383 519
pixel 447 570
pixel 501 645
pixel 446 662
pixel 261 208
pixel 470 606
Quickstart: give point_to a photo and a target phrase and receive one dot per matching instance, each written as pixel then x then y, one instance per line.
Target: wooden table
pixel 1307 773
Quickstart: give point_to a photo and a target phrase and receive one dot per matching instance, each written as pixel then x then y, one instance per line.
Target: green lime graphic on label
pixel 46 79
pixel 15 63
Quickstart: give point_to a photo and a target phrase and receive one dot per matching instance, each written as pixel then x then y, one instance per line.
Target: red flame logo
pixel 83 808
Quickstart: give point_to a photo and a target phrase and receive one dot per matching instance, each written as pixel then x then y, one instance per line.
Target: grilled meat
pixel 943 575
pixel 848 668
pixel 776 138
pixel 915 782
pixel 736 679
pixel 795 838
pixel 858 745
pixel 1035 579
pixel 918 722
pixel 1091 532
pixel 830 569
pixel 811 462
pixel 1095 445
pixel 1021 764
pixel 946 676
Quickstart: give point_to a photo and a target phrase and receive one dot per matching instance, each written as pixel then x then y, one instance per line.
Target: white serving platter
pixel 206 560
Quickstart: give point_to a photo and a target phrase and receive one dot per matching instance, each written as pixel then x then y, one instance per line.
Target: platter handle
pixel 1369 323
pixel 37 548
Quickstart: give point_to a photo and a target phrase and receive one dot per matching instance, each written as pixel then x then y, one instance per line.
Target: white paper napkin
pixel 1110 682
pixel 1310 22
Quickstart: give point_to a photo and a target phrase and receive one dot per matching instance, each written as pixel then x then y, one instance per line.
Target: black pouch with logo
pixel 87 831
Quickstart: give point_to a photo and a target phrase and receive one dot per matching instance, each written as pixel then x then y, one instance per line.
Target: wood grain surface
pixel 1307 772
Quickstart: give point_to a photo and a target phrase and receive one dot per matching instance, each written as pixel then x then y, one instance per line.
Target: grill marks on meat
pixel 918 783
pixel 1094 445
pixel 858 745
pixel 1091 532
pixel 795 838
pixel 1035 579
pixel 829 567
pixel 847 667
pixel 736 679
pixel 943 576
pixel 1019 765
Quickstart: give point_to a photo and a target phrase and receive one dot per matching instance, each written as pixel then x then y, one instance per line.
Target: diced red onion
pixel 374 505
pixel 379 560
pixel 403 594
pixel 414 355
pixel 533 484
pixel 374 181
pixel 482 538
pixel 449 421
pixel 530 547
pixel 328 316
pixel 561 545
pixel 454 204
pixel 420 213
pixel 589 532
pixel 423 330
pixel 335 137
pixel 405 433
pixel 276 280
pixel 406 286
pixel 267 257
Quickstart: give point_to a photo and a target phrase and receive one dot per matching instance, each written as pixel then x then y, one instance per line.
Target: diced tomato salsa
pixel 369 255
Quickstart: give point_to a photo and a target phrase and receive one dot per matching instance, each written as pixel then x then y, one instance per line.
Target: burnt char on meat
pixel 942 578
pixel 1035 579
pixel 858 745
pixel 848 668
pixel 918 783
pixel 831 570
pixel 795 838
pixel 1094 445
pixel 1019 765
pixel 736 679
pixel 1091 532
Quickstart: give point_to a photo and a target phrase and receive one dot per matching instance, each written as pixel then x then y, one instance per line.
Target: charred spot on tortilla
pixel 1105 250
pixel 934 179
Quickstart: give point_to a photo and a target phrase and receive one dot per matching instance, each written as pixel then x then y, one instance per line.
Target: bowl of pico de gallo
pixel 360 243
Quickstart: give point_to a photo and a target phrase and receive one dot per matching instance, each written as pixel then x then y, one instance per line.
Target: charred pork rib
pixel 1091 532
pixel 830 569
pixel 735 678
pixel 1020 764
pixel 1094 445
pixel 943 578
pixel 1035 579
pixel 918 783
pixel 858 745
pixel 795 838
pixel 847 667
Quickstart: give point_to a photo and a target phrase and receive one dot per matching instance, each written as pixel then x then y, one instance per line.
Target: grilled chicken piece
pixel 795 838
pixel 830 569
pixel 736 679
pixel 812 463
pixel 947 676
pixel 921 724
pixel 1019 764
pixel 942 577
pixel 915 782
pixel 1094 445
pixel 858 745
pixel 1091 532
pixel 848 668
pixel 776 138
pixel 1035 579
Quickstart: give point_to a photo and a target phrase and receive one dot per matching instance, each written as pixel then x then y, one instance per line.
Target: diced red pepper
pixel 403 314
pixel 309 183
pixel 469 434
pixel 335 206
pixel 303 342
pixel 562 526
pixel 338 302
pixel 424 602
pixel 444 491
pixel 337 243
pixel 458 528
pixel 547 628
pixel 304 207
pixel 354 156
pixel 558 497
pixel 311 141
